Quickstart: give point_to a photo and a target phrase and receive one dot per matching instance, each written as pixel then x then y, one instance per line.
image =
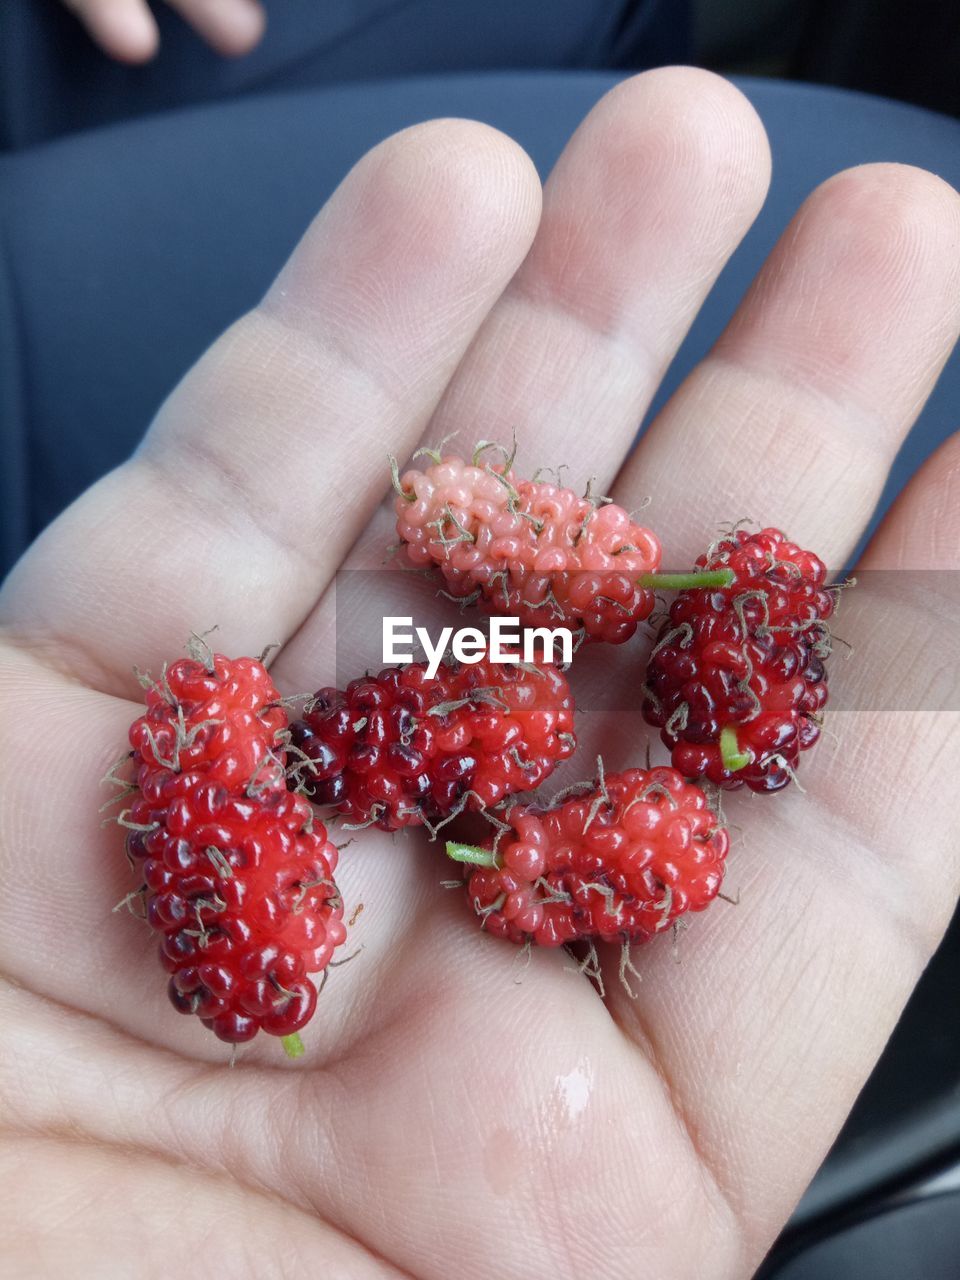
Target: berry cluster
pixel 618 864
pixel 527 548
pixel 238 876
pixel 736 681
pixel 406 749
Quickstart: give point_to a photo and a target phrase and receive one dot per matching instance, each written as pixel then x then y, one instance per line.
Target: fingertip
pixel 244 31
pixel 442 201
pixel 707 123
pixel 490 169
pixel 230 27
pixel 907 184
pixel 675 165
pixel 460 188
pixel 127 32
pixel 861 295
pixel 897 205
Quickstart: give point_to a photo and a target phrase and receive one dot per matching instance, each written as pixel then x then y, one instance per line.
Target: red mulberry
pixel 238 876
pixel 619 864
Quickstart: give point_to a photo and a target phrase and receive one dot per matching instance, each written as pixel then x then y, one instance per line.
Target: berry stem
pixel 472 854
pixel 292 1045
pixel 731 755
pixel 687 581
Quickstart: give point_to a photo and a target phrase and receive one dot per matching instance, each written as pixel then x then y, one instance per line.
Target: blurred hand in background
pixel 127 30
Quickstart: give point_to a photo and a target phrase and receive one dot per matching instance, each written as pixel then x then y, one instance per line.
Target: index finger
pixel 267 460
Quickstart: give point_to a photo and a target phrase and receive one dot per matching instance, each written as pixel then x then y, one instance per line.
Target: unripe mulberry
pixel 530 549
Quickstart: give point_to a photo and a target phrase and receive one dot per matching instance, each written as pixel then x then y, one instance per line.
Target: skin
pixel 455 1113
pixel 127 29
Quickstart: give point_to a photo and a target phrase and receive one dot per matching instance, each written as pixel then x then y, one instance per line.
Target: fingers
pixel 266 462
pixel 797 413
pixel 780 1006
pixel 897 700
pixel 232 27
pixel 125 29
pixel 647 202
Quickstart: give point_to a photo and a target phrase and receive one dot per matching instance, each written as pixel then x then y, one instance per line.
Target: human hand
pixel 452 1115
pixel 127 30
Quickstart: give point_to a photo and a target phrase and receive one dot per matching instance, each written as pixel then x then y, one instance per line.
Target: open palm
pixel 455 1113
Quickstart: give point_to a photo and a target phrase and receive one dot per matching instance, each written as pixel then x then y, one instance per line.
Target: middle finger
pixel 648 200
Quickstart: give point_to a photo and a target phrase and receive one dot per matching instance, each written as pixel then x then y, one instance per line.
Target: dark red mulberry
pixel 404 749
pixel 736 682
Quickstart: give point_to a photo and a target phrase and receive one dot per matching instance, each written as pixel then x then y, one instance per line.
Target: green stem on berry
pixel 292 1045
pixel 472 854
pixel 731 755
pixel 687 581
